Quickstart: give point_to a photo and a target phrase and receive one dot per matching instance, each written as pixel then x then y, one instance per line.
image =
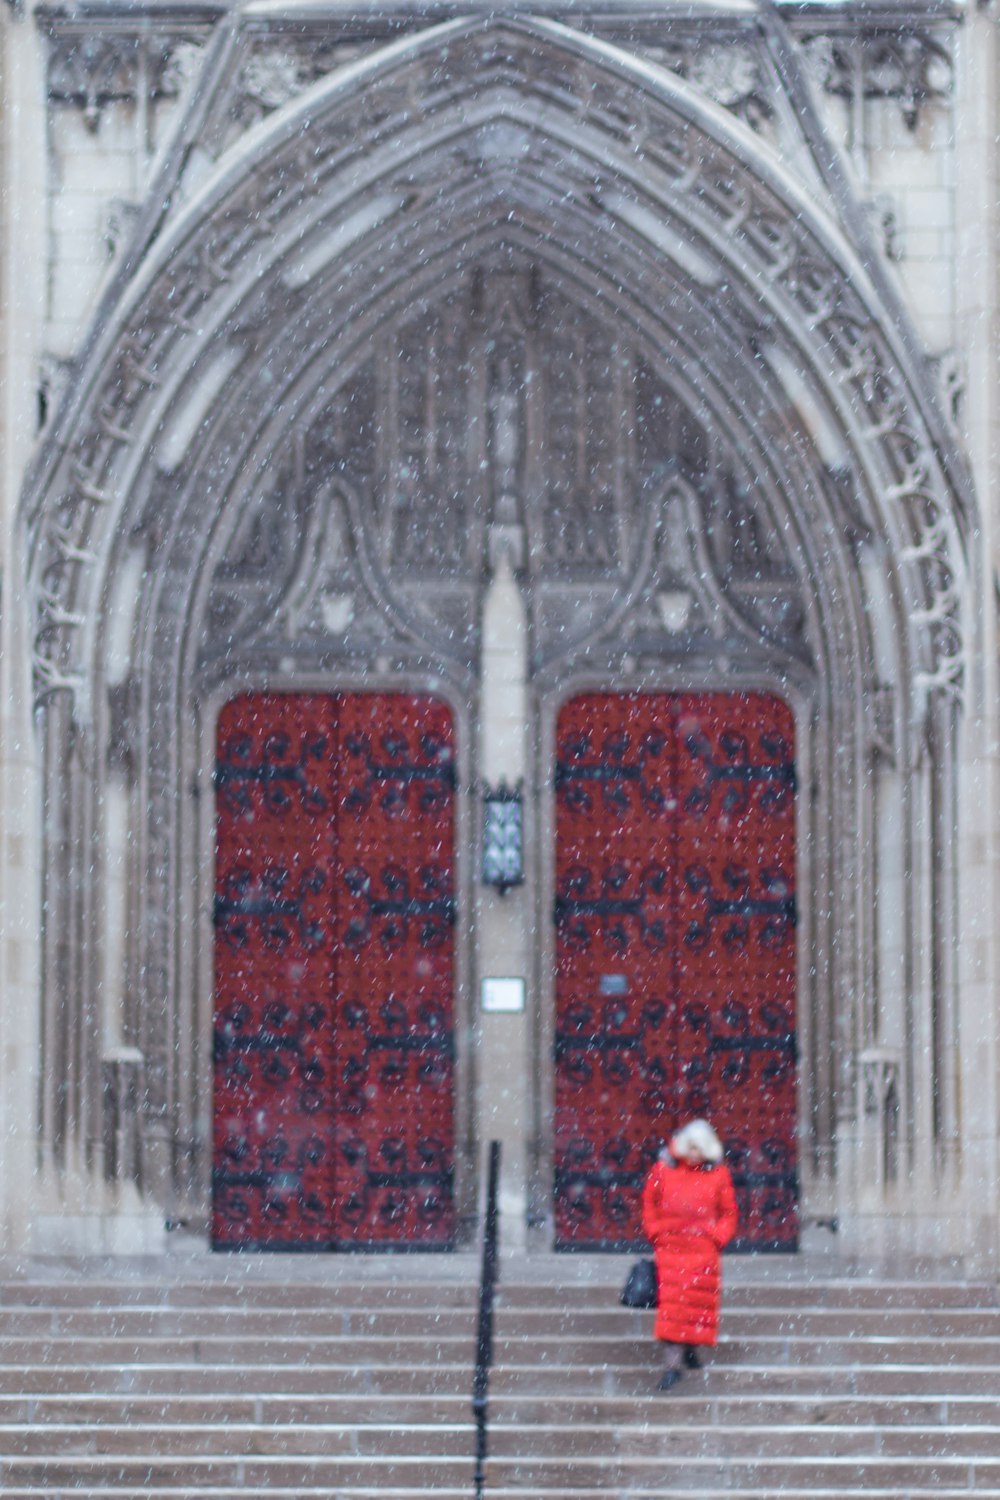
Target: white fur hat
pixel 697 1136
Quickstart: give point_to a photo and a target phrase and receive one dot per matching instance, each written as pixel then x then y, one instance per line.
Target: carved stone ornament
pixel 880 1108
pixel 270 79
pixel 952 382
pixel 277 71
pixel 53 381
pixel 731 72
pixel 913 67
pixel 121 219
pixel 91 69
pixel 176 66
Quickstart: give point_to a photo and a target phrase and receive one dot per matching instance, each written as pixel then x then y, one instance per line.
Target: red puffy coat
pixel 688 1214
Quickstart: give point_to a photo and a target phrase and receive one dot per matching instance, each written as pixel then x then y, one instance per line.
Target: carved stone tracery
pixel 548 427
pixel 89 69
pixel 912 67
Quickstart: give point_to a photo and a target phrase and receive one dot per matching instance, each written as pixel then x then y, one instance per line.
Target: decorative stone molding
pixel 270 79
pixel 952 380
pixel 884 733
pixel 730 71
pixel 122 216
pixel 124 701
pixel 92 67
pixel 880 1080
pixel 122 1087
pixel 777 247
pixel 726 66
pixel 276 70
pixel 884 217
pixel 913 67
pixel 90 71
pixel 176 65
pixel 53 378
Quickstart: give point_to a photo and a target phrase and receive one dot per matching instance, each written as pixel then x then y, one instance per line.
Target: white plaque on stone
pixel 503 994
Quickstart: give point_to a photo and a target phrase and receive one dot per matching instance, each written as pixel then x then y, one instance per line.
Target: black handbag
pixel 640 1286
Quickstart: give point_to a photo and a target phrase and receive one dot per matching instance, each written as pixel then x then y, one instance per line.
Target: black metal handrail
pixel 484 1337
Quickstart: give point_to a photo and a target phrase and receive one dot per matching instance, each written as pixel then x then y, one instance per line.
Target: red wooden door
pixel 334 955
pixel 675 953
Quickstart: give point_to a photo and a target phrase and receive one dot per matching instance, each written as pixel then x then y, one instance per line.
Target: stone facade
pixel 502 356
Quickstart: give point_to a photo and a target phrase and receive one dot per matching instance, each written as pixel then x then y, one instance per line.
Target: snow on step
pixel 349 1377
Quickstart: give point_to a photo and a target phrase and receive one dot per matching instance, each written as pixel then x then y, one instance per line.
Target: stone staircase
pixel 349 1377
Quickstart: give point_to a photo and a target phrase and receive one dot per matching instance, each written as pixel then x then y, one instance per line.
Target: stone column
pixel 976 1230
pixel 22 308
pixel 503 922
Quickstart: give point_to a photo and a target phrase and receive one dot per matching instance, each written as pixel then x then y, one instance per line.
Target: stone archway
pixel 225 395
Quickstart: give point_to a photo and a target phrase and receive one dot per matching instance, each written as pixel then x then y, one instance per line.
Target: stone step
pixel 802 1322
pixel 241 1296
pixel 854 1295
pixel 238 1349
pixel 451 1348
pixel 713 1476
pixel 682 1409
pixel 355 1382
pixel 755 1380
pixel 843 1295
pixel 507 1379
pixel 146 1473
pixel 777 1349
pixel 330 1322
pixel 235 1379
pixel 338 1321
pixel 225 1442
pixel 495 1492
pixel 101 1333
pixel 508 1441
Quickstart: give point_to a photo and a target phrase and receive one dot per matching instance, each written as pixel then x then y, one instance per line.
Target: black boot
pixel 691 1358
pixel 669 1379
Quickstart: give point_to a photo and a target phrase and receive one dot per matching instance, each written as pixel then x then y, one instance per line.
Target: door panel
pixel 275 971
pixel 394 1104
pixel 675 952
pixel 334 957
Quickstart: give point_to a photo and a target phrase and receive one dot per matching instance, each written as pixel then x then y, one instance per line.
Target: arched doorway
pixel 770 503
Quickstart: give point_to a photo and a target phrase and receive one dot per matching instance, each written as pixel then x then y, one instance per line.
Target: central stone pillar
pixel 503 923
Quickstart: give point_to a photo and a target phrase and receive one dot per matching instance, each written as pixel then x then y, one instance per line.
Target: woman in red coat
pixel 688 1213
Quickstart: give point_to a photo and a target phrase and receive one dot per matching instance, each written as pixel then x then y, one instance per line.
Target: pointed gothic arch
pixel 227 379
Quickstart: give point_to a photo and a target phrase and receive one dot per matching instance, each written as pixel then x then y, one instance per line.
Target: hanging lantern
pixel 503 836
